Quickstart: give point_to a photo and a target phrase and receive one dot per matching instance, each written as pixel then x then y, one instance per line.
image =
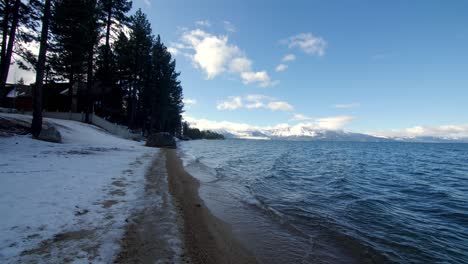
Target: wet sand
pixel 207 238
pixel 203 237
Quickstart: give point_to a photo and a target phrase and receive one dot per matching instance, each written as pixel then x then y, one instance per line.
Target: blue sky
pixel 366 65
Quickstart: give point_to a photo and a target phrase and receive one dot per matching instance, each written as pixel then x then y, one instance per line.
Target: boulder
pixel 50 134
pixel 161 140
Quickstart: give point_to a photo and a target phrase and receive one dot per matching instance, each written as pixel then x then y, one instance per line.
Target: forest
pixel 128 74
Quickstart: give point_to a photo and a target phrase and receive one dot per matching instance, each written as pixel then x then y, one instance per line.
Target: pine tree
pixel 141 41
pixel 118 102
pixel 113 13
pixel 92 36
pixel 114 19
pixel 71 45
pixel 16 15
pixel 165 93
pixel 36 125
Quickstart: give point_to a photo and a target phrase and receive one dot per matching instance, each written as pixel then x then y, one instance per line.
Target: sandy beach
pixel 206 239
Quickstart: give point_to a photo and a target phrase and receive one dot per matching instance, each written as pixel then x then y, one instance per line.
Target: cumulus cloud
pixel 232 103
pixel 446 131
pixel 280 106
pixel 289 57
pixel 308 43
pixel 214 55
pixel 254 101
pixel 211 53
pixel 260 77
pixel 173 51
pixel 351 105
pixel 281 67
pixel 334 123
pixel 203 23
pixel 240 65
pixel 189 102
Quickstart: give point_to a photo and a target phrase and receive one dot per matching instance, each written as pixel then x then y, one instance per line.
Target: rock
pixel 12 126
pixel 50 134
pixel 161 140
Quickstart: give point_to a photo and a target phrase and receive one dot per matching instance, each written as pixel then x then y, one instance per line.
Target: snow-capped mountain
pixel 312 134
pixel 312 131
pixel 298 132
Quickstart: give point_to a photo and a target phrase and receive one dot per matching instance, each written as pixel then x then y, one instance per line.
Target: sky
pixel 357 65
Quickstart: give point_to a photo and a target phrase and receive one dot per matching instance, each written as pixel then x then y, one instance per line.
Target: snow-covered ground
pixel 68 202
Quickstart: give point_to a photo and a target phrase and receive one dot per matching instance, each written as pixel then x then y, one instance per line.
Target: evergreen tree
pixel 141 41
pixel 92 37
pixel 15 16
pixel 114 18
pixel 113 13
pixel 73 36
pixel 118 97
pixel 40 69
pixel 165 93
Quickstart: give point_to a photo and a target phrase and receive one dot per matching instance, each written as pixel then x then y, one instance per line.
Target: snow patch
pixel 74 196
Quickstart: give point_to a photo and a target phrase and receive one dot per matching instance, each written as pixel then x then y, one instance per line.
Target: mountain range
pixel 307 133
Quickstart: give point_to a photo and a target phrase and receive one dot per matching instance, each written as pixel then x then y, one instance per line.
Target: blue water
pixel 339 202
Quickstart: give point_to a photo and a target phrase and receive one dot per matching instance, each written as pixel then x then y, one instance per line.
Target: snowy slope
pixel 70 198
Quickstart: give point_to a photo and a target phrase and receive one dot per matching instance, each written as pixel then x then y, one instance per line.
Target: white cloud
pixel 255 105
pixel 308 43
pixel 239 65
pixel 281 67
pixel 261 77
pixel 300 117
pixel 289 57
pixel 173 51
pixel 254 101
pixel 212 53
pixel 233 103
pixel 203 23
pixel 446 131
pixel 147 2
pixel 189 102
pixel 334 123
pixel 244 130
pixel 280 106
pixel 215 55
pixel 351 105
pixel 228 26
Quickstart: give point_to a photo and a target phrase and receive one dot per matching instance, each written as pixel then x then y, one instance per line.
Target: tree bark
pixel 37 100
pixel 89 83
pixel 11 40
pixel 6 17
pixel 70 89
pixel 108 29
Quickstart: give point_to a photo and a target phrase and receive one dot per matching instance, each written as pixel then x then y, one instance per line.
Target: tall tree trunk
pixel 107 52
pixel 70 89
pixel 6 17
pixel 37 100
pixel 89 83
pixel 5 66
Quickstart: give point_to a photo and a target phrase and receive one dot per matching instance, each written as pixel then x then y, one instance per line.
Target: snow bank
pixel 67 201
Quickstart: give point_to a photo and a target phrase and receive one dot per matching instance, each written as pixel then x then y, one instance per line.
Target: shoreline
pixel 207 238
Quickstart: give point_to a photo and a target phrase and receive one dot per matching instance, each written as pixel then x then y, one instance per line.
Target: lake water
pixel 338 202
